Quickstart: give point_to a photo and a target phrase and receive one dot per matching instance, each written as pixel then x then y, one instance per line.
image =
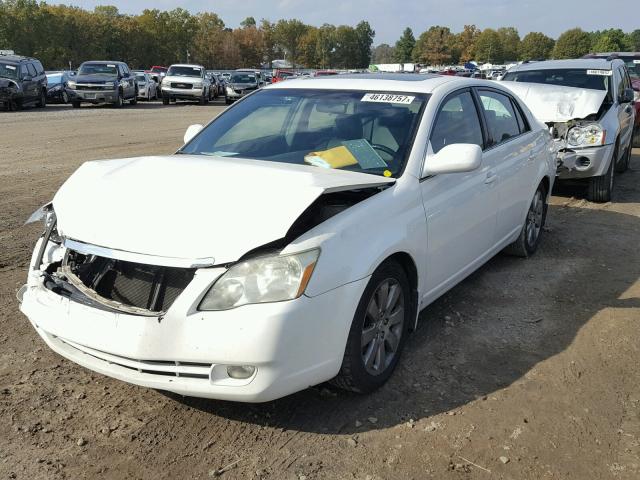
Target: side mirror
pixel 191 132
pixel 454 158
pixel 626 96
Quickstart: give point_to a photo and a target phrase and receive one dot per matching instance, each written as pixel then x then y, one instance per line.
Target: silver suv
pixel 588 105
pixel 186 82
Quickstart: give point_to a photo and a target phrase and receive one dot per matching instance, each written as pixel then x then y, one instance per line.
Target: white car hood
pixel 192 207
pixel 553 103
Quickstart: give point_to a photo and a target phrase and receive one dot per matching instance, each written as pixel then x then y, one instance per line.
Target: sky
pixel 389 17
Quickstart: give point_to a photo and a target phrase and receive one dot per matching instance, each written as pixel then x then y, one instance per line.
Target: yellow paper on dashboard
pixel 336 157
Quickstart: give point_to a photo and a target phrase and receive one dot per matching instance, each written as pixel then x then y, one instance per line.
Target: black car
pixel 57 86
pixel 103 82
pixel 22 82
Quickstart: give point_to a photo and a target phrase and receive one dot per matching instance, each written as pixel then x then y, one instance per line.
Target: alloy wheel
pixel 534 218
pixel 383 326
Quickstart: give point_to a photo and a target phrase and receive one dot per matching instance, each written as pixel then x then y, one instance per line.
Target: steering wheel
pixel 385 149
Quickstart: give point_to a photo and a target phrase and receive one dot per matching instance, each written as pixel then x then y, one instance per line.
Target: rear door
pixel 461 208
pixel 625 110
pixel 28 82
pixel 512 150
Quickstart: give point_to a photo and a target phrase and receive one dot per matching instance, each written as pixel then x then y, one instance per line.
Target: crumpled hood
pixel 553 103
pixel 192 207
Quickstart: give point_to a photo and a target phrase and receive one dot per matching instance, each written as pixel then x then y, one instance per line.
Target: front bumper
pixel 293 344
pixel 185 94
pixel 584 162
pixel 93 96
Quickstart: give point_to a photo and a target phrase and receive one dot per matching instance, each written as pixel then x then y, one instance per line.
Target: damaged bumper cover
pixel 291 345
pixel 583 162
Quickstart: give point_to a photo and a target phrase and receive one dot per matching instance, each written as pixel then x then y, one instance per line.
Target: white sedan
pixel 291 241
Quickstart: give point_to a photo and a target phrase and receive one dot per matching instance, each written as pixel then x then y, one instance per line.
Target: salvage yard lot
pixel 526 370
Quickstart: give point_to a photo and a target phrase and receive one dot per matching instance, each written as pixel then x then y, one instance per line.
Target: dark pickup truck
pixel 103 82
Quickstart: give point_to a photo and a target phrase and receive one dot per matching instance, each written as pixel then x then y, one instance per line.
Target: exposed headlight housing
pixel 230 90
pixel 262 280
pixel 586 135
pixel 71 84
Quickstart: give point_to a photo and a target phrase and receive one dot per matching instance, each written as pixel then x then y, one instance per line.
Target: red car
pixel 281 75
pixel 632 61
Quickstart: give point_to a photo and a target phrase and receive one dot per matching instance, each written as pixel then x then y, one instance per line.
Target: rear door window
pixel 32 70
pixel 499 113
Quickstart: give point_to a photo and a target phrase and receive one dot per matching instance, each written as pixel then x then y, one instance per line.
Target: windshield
pixel 8 71
pixel 98 69
pixel 570 77
pixel 368 132
pixel 243 78
pixel 633 66
pixel 184 72
pixel 158 69
pixel 140 77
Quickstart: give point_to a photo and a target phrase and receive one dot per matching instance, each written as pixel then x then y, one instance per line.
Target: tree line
pixel 440 46
pixel 60 34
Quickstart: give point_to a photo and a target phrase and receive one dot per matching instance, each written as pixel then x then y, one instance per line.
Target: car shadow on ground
pixel 486 333
pixel 142 104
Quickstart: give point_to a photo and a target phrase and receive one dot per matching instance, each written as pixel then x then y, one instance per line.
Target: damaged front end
pixel 72 271
pixel 574 117
pixel 9 94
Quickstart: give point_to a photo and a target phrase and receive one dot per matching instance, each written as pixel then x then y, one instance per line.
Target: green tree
pixel 383 53
pixel 326 45
pixel 510 40
pixel 288 34
pixel 404 46
pixel 434 46
pixel 364 35
pixel 464 43
pixel 612 40
pixel 489 47
pixel 634 40
pixel 573 43
pixel 248 22
pixel 536 46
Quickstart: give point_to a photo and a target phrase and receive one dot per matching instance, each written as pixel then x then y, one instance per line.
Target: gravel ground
pixel 526 370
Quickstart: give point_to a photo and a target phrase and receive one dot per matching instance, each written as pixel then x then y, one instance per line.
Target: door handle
pixel 491 177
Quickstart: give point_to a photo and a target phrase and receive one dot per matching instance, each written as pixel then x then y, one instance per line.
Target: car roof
pixel 186 65
pixel 105 61
pixel 609 54
pixel 586 63
pixel 389 82
pixel 15 58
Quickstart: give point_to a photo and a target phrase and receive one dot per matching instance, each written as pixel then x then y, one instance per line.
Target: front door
pixel 461 208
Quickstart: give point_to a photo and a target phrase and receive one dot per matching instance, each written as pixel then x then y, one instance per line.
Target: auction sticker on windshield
pixel 604 73
pixel 387 98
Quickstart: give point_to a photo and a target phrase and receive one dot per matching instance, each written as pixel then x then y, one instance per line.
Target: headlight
pixel 197 85
pixel 165 81
pixel 636 95
pixel 230 90
pixel 586 135
pixel 261 280
pixel 71 84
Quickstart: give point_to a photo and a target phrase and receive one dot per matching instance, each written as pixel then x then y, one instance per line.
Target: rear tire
pixel 378 332
pixel 529 238
pixel 600 188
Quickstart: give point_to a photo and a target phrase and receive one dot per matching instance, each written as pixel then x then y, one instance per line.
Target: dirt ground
pixel 526 370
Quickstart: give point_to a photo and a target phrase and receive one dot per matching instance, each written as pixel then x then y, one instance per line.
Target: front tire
pixel 75 104
pixel 378 331
pixel 600 188
pixel 134 100
pixel 529 238
pixel 119 101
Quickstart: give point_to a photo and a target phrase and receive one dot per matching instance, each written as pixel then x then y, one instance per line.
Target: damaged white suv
pixel 291 241
pixel 588 105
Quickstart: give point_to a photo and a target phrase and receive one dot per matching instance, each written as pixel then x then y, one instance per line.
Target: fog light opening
pixel 583 162
pixel 240 372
